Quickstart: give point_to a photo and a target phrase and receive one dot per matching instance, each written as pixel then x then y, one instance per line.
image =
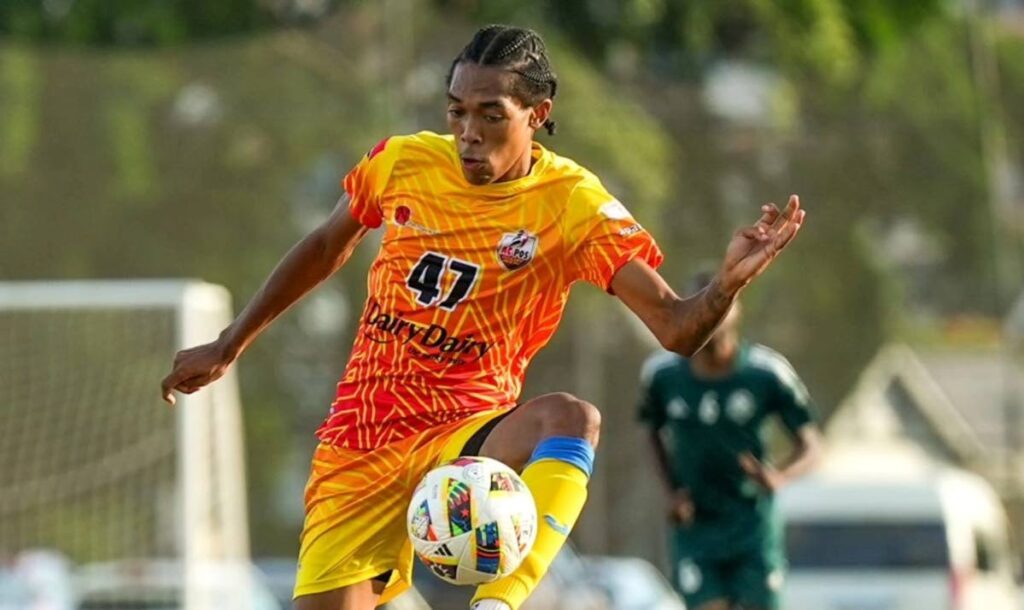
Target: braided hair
pixel 520 51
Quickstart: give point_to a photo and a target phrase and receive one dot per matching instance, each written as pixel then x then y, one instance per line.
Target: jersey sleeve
pixel 604 236
pixel 367 181
pixel 793 401
pixel 651 409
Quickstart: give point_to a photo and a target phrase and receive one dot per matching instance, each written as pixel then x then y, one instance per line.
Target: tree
pixel 130 22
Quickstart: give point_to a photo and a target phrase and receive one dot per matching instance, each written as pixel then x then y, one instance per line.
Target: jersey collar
pixel 541 164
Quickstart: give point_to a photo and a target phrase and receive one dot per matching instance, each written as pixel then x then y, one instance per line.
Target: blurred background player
pixel 484 233
pixel 707 416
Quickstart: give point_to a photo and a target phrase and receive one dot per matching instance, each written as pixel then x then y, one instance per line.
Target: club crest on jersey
pixel 515 250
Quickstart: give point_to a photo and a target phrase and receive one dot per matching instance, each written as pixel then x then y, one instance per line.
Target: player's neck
pixel 715 360
pixel 521 168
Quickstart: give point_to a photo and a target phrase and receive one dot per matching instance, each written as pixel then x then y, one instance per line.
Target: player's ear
pixel 540 113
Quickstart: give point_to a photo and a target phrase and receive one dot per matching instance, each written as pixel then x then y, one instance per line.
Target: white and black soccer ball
pixel 472 520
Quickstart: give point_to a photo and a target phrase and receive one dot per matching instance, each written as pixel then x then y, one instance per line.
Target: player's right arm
pixel 312 260
pixel 684 325
pixel 653 414
pixel 615 253
pixel 681 508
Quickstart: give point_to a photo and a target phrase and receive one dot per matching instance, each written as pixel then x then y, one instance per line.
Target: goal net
pixel 93 464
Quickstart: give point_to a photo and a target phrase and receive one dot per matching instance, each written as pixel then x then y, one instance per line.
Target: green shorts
pixel 750 580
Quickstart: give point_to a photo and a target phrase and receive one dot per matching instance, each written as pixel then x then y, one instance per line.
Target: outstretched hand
pixel 753 248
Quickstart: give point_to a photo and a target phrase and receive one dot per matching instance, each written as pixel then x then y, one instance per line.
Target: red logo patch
pixel 377 149
pixel 402 214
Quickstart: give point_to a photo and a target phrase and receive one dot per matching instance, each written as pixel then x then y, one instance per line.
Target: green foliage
pixel 1010 55
pixel 828 38
pixel 19 114
pixel 613 135
pixel 135 22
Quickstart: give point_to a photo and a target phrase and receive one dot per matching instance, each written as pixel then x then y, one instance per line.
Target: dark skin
pixel 494 132
pixel 715 360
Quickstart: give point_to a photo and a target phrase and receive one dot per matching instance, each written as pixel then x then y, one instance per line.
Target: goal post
pixel 92 463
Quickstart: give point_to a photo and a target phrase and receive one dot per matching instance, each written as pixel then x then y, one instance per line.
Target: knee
pixel 567 415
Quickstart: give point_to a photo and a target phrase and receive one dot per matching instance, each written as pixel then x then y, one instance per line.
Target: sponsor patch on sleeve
pixel 630 230
pixel 614 210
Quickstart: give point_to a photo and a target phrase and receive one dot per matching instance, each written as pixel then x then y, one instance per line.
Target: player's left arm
pixel 792 404
pixel 684 325
pixel 795 409
pixel 806 452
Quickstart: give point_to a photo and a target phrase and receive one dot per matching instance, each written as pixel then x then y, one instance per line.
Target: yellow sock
pixel 560 490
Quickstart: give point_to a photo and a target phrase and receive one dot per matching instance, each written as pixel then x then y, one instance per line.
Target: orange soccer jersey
pixel 470 282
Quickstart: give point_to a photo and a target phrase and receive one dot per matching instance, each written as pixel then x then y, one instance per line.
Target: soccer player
pixel 484 231
pixel 707 417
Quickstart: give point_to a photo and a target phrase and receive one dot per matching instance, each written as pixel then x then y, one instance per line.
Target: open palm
pixel 753 248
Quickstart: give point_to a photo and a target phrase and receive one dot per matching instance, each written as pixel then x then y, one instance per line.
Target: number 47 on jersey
pixel 426 280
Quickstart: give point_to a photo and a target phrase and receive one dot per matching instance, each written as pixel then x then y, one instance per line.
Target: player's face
pixel 493 130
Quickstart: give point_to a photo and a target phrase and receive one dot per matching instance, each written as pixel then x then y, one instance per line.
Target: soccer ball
pixel 472 520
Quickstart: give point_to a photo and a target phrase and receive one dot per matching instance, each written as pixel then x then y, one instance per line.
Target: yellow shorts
pixel 356 504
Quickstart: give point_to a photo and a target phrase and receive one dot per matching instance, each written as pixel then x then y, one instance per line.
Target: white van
pixel 882 528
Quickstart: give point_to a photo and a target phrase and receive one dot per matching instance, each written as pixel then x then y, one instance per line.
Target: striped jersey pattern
pixel 469 283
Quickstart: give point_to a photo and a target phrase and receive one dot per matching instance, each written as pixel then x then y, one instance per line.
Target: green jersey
pixel 706 424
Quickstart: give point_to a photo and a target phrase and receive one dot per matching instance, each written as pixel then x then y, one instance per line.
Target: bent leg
pixel 360 596
pixel 354 532
pixel 715 604
pixel 702 584
pixel 515 438
pixel 551 440
pixel 757 582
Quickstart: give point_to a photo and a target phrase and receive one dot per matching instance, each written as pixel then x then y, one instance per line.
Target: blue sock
pixel 570 449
